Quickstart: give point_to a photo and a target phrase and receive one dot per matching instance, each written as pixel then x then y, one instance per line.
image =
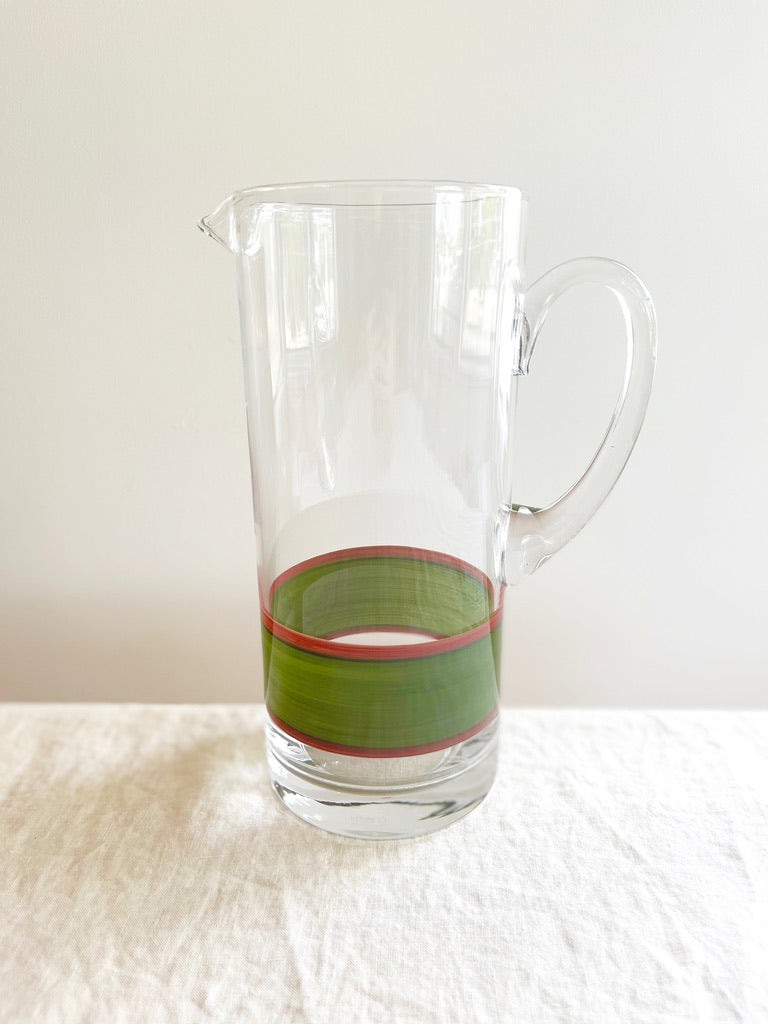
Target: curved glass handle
pixel 530 536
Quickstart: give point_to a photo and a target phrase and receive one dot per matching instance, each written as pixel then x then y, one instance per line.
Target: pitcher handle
pixel 530 536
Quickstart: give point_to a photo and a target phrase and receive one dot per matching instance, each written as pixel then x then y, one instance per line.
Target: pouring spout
pixel 220 225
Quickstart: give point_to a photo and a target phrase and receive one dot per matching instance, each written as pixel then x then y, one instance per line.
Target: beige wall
pixel 639 129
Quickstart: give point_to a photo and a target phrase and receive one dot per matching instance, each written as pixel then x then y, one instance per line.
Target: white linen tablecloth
pixel 618 872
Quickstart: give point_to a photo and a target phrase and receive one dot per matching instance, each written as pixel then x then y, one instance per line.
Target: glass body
pixel 385 327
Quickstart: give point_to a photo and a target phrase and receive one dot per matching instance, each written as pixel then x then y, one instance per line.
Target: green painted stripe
pixel 382 591
pixel 386 703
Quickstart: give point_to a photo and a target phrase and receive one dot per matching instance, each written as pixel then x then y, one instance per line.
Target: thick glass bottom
pixel 386 797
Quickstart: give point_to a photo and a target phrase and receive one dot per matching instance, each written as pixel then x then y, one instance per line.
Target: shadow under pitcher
pixel 385 326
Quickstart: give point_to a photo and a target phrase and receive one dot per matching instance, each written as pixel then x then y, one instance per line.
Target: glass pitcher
pixel 385 326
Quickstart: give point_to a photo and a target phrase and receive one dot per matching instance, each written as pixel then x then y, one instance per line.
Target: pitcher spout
pixel 220 225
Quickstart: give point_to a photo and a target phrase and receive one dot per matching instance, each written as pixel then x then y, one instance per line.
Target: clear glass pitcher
pixel 385 327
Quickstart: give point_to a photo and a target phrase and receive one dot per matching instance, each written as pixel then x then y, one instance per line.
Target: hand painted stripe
pixel 425 748
pixel 382 551
pixel 379 652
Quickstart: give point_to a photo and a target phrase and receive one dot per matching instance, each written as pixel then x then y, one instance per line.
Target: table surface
pixel 617 872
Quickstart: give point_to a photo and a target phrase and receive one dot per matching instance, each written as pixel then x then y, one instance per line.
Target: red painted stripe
pixel 376 652
pixel 382 629
pixel 424 748
pixel 382 551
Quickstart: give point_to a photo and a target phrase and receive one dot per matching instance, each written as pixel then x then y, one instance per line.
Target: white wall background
pixel 640 130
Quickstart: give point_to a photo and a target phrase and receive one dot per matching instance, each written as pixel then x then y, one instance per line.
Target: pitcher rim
pixel 273 193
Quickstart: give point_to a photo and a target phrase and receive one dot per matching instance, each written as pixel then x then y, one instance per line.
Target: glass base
pixel 381 797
